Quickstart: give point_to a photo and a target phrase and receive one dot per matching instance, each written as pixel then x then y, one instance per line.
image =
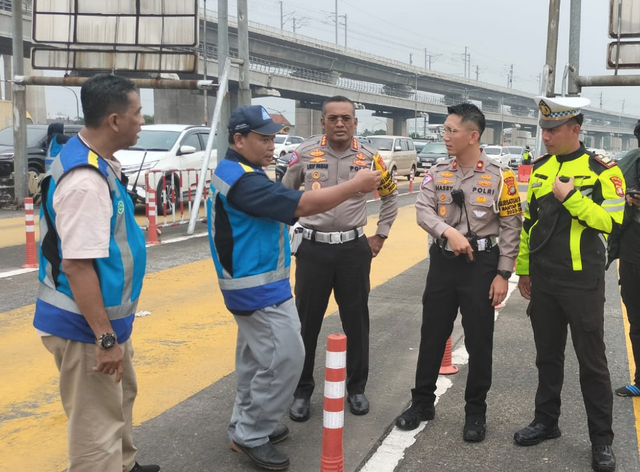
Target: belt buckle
pixel 482 244
pixel 335 237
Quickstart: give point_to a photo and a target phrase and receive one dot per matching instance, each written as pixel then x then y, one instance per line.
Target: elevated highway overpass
pixel 308 71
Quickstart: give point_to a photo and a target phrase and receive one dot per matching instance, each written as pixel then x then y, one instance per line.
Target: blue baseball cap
pixel 253 118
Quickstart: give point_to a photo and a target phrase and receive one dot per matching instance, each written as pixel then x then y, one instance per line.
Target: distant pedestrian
pixel 335 254
pixel 526 156
pixel 248 216
pixel 55 140
pixel 575 199
pixel 92 262
pixel 470 205
pixel 626 246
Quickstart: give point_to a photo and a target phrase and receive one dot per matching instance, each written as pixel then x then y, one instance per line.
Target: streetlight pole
pixel 415 108
pixel 77 102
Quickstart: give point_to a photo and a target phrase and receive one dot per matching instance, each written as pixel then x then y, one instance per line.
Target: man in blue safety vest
pixel 248 216
pixel 92 262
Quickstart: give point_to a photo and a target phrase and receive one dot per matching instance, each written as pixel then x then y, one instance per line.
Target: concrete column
pixel 36 100
pixel 184 107
pixel 6 59
pixel 597 140
pixel 308 121
pixel 399 124
pixel 489 136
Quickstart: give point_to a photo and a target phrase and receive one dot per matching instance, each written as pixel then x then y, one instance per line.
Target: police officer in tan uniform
pixel 334 253
pixel 471 207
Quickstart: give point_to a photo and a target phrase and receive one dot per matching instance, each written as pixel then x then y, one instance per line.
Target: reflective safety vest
pixel 120 274
pixel 568 239
pixel 251 254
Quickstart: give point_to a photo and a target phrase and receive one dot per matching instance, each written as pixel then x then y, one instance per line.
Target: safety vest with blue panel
pixel 251 254
pixel 120 274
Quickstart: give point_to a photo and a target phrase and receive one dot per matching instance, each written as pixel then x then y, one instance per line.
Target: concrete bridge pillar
pixel 6 61
pixel 308 121
pixel 399 121
pixel 598 140
pixel 185 107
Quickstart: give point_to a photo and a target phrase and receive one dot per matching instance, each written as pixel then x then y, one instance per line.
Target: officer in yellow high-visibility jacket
pixel 574 200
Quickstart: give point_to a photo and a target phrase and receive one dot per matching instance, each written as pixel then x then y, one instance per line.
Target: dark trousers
pixel 343 268
pixel 556 303
pixel 629 277
pixel 454 283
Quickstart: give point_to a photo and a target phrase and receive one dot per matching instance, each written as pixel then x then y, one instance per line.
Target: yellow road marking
pixel 185 345
pixel 632 367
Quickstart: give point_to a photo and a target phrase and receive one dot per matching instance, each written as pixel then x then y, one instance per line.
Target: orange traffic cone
pixel 447 368
pixel 332 457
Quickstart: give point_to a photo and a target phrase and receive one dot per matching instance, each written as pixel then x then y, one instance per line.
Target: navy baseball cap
pixel 253 118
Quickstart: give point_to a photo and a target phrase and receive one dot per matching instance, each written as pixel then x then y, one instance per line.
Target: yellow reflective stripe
pixel 574 244
pixel 93 159
pixel 246 167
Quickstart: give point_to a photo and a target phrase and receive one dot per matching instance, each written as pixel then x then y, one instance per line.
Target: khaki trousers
pixel 99 410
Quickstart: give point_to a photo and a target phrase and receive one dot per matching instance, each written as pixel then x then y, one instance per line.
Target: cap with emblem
pixel 556 111
pixel 253 118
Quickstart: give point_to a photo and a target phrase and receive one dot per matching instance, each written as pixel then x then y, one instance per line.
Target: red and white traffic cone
pixel 31 259
pixel 332 458
pixel 447 367
pixel 152 212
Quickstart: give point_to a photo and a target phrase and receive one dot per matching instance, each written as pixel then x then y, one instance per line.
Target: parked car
pixel 282 164
pixel 167 149
pixel 498 153
pixel 397 152
pixel 515 154
pixel 430 154
pixel 36 147
pixel 285 143
pixel 420 143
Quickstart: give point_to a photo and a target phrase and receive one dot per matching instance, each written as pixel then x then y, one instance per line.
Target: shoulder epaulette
pixel 541 159
pixel 607 162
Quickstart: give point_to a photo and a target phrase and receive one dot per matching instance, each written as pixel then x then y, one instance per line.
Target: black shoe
pixel 299 411
pixel 604 460
pixel 535 433
pixel 145 468
pixel 279 434
pixel 266 455
pixel 416 413
pixel 475 427
pixel 358 404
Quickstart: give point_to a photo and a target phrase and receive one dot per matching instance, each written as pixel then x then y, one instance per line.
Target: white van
pixel 398 153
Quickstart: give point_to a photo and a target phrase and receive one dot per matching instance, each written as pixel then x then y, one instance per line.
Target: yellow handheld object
pixel 387 185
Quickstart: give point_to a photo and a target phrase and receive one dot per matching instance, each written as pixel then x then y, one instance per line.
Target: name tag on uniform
pixel 536 184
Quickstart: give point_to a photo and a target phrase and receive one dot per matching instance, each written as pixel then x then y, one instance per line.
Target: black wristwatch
pixel 505 274
pixel 106 341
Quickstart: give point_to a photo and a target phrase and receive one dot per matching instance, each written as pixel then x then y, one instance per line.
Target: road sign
pixel 629 12
pixel 629 55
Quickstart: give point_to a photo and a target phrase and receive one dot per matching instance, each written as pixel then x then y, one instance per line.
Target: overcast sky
pixel 498 34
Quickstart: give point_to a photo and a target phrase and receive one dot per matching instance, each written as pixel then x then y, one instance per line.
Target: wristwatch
pixel 106 341
pixel 505 274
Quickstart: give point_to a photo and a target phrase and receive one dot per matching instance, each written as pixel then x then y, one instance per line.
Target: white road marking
pixel 391 451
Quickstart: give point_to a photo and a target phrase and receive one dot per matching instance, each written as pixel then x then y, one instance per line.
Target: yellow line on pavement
pixel 632 369
pixel 186 344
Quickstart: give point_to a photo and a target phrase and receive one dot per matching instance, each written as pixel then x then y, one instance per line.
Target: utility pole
pixel 19 110
pixel 425 58
pixel 294 25
pixel 206 60
pixel 281 17
pixel 336 22
pixel 410 59
pixel 345 31
pixel 622 106
pixel 477 72
pixel 466 54
pixel 244 92
pixel 223 54
pixel 600 99
pixel 510 77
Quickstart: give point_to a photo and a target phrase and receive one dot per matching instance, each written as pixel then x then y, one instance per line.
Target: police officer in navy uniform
pixel 334 253
pixel 248 215
pixel 471 207
pixel 575 199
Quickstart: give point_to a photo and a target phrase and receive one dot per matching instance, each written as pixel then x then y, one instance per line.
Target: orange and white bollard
pixel 32 258
pixel 332 458
pixel 447 367
pixel 376 196
pixel 151 213
pixel 411 177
